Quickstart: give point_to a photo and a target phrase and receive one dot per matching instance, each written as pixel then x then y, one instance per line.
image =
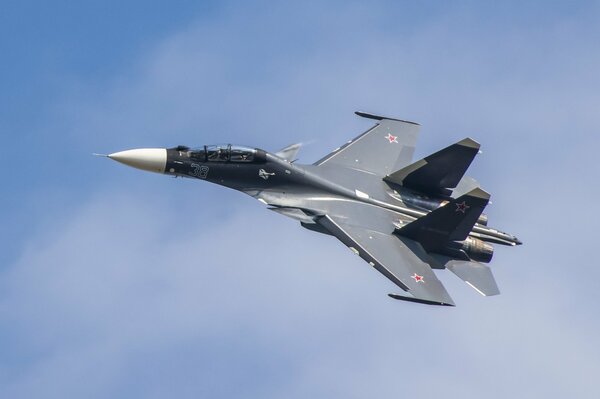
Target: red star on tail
pixel 462 208
pixel 392 139
pixel 418 279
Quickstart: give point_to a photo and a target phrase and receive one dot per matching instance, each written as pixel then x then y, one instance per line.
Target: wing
pixel 381 150
pixel 399 259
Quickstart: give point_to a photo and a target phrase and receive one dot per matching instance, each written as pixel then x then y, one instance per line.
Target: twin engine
pixel 470 249
pixel 478 250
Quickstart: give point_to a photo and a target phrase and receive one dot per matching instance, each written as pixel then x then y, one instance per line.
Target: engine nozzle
pixel 478 250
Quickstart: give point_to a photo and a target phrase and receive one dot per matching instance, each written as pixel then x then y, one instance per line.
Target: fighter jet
pixel 403 218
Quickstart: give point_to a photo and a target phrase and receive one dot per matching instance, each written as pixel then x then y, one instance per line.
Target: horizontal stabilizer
pixel 289 153
pixel 451 222
pixel 439 171
pixel 475 274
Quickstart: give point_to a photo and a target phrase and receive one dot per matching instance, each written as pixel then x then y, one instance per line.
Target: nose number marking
pixel 199 171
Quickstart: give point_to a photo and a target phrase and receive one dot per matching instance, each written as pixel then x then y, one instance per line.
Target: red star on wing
pixel 392 139
pixel 418 279
pixel 462 207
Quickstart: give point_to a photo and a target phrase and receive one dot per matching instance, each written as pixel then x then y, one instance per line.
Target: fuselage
pixel 285 184
pixel 280 183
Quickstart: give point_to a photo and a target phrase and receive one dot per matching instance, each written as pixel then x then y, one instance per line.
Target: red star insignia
pixel 462 207
pixel 392 139
pixel 418 279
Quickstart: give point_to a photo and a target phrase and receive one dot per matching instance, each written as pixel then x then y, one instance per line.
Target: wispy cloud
pixel 183 289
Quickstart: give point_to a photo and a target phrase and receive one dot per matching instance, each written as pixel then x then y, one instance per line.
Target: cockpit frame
pixel 224 153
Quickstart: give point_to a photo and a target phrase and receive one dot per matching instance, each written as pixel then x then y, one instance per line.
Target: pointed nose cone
pixel 150 159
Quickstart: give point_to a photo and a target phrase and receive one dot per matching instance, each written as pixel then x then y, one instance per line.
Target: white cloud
pixel 125 296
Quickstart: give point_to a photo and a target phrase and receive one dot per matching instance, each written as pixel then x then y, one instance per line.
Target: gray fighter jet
pixel 403 218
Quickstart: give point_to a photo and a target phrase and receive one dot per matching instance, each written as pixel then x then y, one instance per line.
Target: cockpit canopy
pixel 223 153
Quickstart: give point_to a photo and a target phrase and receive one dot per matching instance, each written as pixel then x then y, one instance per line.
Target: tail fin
pixel 439 171
pixel 451 222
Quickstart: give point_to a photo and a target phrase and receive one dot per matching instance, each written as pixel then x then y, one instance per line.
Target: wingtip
pixel 417 300
pixel 379 117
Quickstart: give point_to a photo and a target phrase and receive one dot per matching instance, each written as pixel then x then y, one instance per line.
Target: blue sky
pixel 116 283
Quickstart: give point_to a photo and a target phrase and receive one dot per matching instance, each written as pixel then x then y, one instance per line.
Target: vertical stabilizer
pixel 439 171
